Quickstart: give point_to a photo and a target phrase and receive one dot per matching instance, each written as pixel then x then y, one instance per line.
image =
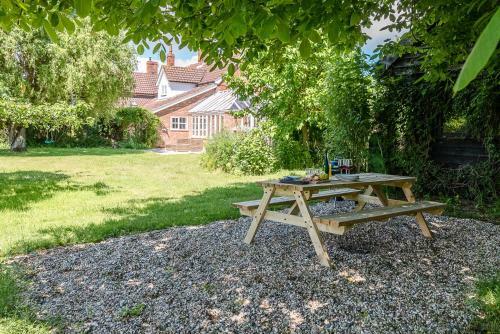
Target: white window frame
pixel 164 90
pixel 178 118
pixel 200 126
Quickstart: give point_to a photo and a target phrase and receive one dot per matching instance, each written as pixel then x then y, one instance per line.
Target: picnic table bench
pixel 360 191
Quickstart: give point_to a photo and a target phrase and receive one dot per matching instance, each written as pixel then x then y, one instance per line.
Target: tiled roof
pixel 184 74
pixel 198 73
pixel 145 84
pixel 221 101
pixel 160 104
pixel 139 101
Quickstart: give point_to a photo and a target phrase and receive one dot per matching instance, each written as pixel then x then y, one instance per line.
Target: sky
pixel 185 57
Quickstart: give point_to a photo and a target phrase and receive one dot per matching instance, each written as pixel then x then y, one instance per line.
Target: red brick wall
pixel 169 136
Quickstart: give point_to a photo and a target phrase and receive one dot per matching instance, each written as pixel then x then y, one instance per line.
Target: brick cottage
pixel 192 102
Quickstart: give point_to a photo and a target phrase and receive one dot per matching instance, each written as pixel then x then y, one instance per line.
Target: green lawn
pixel 51 197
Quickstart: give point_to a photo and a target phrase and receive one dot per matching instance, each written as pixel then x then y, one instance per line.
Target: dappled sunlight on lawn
pixel 52 197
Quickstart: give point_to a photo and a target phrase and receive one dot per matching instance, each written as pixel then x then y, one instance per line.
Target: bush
pixel 247 153
pixel 135 127
pixel 130 127
pixel 219 152
pixel 254 154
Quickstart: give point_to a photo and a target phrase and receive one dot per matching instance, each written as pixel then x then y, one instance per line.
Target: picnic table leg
pixel 422 223
pixel 381 196
pixel 294 209
pixel 314 234
pixel 259 214
pixel 361 204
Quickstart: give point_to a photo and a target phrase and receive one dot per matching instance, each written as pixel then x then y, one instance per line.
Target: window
pixel 200 126
pixel 178 123
pixel 164 89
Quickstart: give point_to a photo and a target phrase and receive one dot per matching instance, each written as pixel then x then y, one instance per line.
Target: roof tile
pixel 145 84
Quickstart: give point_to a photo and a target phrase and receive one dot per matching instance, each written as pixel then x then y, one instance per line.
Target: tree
pixel 321 101
pixel 84 68
pixel 223 28
pixel 440 34
pixel 288 93
pixel 347 108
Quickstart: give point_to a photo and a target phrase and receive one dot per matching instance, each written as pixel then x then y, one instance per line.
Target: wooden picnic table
pixel 299 214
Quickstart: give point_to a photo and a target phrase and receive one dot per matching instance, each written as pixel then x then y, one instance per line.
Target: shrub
pixel 247 153
pixel 135 127
pixel 254 154
pixel 129 127
pixel 219 152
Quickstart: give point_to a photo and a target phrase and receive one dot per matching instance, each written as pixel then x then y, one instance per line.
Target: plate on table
pixel 293 180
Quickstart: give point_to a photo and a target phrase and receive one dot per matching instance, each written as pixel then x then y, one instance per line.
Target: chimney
pixel 170 57
pixel 151 67
pixel 199 56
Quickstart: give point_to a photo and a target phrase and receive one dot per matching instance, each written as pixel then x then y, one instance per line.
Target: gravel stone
pixel 387 278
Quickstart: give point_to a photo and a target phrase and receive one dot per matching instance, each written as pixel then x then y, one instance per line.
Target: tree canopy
pixel 318 103
pixel 225 28
pixel 49 86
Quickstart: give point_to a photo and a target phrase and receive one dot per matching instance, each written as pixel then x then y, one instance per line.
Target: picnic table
pixel 361 191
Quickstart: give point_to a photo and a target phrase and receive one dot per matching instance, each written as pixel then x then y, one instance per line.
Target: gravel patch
pixel 387 279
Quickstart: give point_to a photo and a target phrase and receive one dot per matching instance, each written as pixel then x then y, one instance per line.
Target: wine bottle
pixel 326 166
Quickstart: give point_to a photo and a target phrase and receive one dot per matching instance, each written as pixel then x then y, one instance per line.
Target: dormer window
pixel 164 89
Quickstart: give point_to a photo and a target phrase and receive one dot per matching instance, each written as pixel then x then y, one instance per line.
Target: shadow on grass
pixel 62 152
pixel 148 215
pixel 20 189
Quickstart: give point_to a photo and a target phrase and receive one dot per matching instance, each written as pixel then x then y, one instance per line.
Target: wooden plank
pixel 366 179
pixel 350 218
pixel 381 195
pixel 375 200
pixel 422 223
pixel 361 204
pixel 259 214
pixel 289 200
pixel 279 217
pixel 316 239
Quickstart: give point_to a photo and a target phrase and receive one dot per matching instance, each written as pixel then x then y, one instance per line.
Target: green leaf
pixel 481 52
pixel 163 56
pixel 333 32
pixel 355 19
pixel 315 37
pixel 283 33
pixel 83 7
pixel 68 24
pixel 50 31
pixel 157 47
pixel 230 69
pixel 140 49
pixel 305 48
pixel 54 19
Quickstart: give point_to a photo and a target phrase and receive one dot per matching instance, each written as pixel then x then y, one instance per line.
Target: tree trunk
pixel 17 138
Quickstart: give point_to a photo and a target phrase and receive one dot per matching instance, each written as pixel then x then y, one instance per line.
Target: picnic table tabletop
pixel 365 179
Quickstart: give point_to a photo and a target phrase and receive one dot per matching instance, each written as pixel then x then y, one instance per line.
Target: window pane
pixel 182 122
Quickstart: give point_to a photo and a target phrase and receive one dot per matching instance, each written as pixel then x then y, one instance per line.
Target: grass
pixel 53 197
pixel 134 311
pixel 15 315
pixel 487 301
